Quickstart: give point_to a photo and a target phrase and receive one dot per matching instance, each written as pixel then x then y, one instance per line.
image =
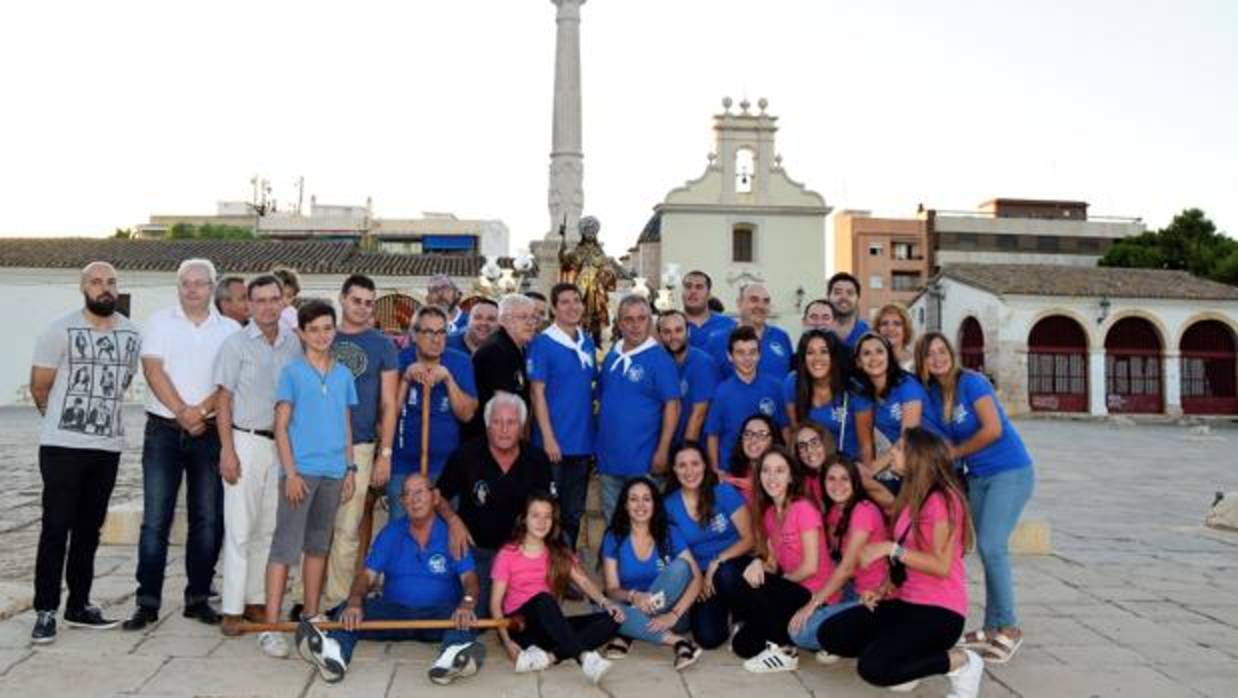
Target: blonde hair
pixel 905 317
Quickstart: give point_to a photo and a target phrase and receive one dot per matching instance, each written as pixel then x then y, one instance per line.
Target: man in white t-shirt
pixel 83 362
pixel 181 442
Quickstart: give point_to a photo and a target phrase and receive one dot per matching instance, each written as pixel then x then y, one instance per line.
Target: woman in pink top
pixel 852 521
pixel 793 564
pixel 907 628
pixel 531 574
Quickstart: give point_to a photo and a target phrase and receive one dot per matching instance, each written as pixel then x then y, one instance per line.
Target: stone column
pixel 1172 376
pixel 566 194
pixel 1096 383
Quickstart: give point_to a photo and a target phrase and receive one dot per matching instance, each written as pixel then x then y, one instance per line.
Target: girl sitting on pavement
pixel 907 629
pixel 531 574
pixel 813 447
pixel 649 569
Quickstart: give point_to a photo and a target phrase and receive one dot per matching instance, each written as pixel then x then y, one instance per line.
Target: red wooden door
pixel 1057 366
pixel 1133 381
pixel 1209 364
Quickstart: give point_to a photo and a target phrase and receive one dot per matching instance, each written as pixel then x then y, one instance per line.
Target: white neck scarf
pixel 555 333
pixel 625 357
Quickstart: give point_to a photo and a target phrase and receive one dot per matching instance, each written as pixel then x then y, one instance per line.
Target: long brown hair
pixel 928 470
pixel 709 480
pixel 762 500
pixel 951 384
pixel 559 572
pixel 828 445
pixel 858 494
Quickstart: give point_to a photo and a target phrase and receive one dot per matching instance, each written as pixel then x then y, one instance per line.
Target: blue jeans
pixel 671 581
pixel 379 608
pixel 806 638
pixel 996 502
pixel 168 454
pixel 571 487
pixel 711 618
pixel 483 560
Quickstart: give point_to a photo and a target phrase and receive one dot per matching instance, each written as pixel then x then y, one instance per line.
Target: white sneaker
pixel 906 687
pixel 532 658
pixel 965 681
pixel 826 658
pixel 594 666
pixel 273 645
pixel 773 658
pixel 454 662
pixel 330 660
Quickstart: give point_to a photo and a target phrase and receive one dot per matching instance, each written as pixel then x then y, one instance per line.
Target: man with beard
pixel 78 468
pixel 179 347
pixel 703 323
pixel 442 292
pixel 775 344
pixel 843 290
pixel 483 318
pixel 698 376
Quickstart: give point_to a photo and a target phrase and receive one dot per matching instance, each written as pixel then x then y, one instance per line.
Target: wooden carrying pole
pixel 513 623
pixel 425 430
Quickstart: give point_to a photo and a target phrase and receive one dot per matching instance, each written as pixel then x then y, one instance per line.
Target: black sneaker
pixel 203 612
pixel 141 618
pixel 89 617
pixel 44 628
pixel 294 614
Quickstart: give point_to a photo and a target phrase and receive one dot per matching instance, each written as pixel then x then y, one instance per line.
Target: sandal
pixel 1002 648
pixel 617 648
pixel 686 654
pixel 975 640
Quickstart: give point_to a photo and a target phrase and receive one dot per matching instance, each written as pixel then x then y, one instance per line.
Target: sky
pixel 115 111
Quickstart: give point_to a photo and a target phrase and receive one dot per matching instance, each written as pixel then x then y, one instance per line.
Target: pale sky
pixel 113 111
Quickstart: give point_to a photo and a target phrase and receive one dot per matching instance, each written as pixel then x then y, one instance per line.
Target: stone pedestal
pixel 547 254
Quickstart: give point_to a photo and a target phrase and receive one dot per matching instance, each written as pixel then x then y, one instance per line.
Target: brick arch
pixel 1095 341
pixel 1209 373
pixel 1198 317
pixel 1157 323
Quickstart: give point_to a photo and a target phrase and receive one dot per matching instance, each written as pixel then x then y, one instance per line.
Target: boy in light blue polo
pixel 313 439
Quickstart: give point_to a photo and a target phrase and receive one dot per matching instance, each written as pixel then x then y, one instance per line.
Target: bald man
pixel 775 343
pixel 83 363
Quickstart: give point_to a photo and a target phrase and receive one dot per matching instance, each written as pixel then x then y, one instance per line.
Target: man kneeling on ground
pixel 421 581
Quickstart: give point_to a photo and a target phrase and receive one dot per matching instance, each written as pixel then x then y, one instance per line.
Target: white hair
pixel 503 398
pixel 511 301
pixel 199 263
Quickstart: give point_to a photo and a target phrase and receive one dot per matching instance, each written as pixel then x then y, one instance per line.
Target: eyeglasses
pixel 756 435
pixel 814 442
pixel 431 333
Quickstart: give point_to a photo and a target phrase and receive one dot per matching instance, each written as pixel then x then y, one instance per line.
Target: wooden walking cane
pixel 425 430
pixel 514 623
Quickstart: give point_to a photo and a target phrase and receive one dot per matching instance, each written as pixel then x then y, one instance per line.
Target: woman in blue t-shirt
pixel 817 389
pixel 714 521
pixel 999 481
pixel 648 568
pixel 888 401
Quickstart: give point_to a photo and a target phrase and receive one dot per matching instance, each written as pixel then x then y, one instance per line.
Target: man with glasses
pixel 370 356
pixel 741 396
pixel 442 292
pixel 428 363
pixel 181 442
pixel 499 363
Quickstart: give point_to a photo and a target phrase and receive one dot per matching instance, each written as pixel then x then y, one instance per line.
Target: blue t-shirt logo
pixel 445 404
pixel 437 564
pixel 528 365
pixel 839 414
pixel 896 412
pixel 776 347
pixel 683 386
pixel 767 406
pixel 635 373
pixel 960 413
pixel 718 523
pixel 481 492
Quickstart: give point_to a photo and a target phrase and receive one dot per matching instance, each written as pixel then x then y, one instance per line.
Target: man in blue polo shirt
pixel 483 318
pixel 741 396
pixel 639 390
pixel 843 291
pixel 702 323
pixel 421 580
pixel 427 362
pixel 562 365
pixel 776 347
pixel 698 376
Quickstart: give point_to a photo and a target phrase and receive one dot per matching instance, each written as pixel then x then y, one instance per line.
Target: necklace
pixel 322 377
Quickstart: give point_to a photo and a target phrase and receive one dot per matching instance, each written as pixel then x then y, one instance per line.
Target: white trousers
pixel 249 522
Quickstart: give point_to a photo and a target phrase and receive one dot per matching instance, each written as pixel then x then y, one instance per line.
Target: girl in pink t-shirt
pixel 793 565
pixel 530 575
pixel 907 628
pixel 852 521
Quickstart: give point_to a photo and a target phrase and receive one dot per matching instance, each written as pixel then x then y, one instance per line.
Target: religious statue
pixel 587 266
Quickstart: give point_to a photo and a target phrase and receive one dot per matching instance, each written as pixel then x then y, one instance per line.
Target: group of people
pixel 817 496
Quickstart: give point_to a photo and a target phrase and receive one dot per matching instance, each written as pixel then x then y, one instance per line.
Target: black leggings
pixel 566 638
pixel 897 643
pixel 765 612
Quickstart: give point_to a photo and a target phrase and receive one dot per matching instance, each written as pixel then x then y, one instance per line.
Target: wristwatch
pixel 468 599
pixel 386 452
pixel 351 469
pixel 896 553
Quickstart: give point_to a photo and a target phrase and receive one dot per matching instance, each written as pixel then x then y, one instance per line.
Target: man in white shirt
pixel 181 442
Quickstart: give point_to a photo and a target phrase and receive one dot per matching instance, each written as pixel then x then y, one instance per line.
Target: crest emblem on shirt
pixel 635 373
pixel 767 406
pixel 896 412
pixel 960 413
pixel 683 386
pixel 839 414
pixel 520 379
pixel 718 523
pixel 481 492
pixel 437 564
pixel 528 364
pixel 444 405
pixel 777 348
pixel 554 491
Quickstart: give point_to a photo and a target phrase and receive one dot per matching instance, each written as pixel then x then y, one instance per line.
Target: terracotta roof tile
pixel 1049 280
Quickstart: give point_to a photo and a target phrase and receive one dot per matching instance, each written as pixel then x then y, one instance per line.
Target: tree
pixel 123 233
pixel 209 231
pixel 1190 242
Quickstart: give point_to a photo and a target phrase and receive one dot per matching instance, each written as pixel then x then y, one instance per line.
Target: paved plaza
pixel 1137 599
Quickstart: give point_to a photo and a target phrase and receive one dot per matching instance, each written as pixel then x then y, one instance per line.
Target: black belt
pixel 264 433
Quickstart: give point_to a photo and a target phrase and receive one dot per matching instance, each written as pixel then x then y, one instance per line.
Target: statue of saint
pixel 587 266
